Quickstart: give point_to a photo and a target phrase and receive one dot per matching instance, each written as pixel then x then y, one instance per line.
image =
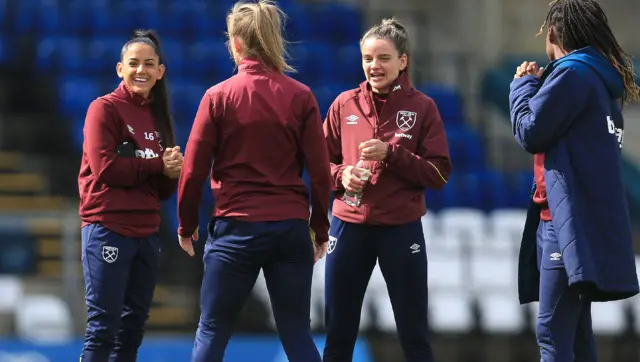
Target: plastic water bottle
pixel 353 198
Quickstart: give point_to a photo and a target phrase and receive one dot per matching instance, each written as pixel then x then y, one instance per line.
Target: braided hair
pixel 582 23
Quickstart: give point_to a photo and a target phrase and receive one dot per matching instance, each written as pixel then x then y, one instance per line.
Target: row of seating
pixel 38 318
pixel 186 18
pixel 78 43
pixel 488 286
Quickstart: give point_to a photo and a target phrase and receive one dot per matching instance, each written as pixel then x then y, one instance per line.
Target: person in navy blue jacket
pixel 577 246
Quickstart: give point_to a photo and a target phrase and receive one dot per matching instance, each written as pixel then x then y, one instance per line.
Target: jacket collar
pixel 125 93
pixel 252 64
pixel 400 87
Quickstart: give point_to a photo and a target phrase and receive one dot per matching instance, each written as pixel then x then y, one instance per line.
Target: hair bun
pixel 140 34
pixel 394 23
pixel 149 34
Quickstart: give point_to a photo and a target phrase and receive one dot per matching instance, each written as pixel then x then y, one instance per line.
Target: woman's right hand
pixel 351 179
pixel 172 159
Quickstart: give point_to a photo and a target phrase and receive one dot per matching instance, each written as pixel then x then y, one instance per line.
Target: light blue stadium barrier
pixel 240 349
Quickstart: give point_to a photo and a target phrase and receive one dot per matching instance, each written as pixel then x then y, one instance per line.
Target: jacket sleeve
pixel 430 166
pixel 316 158
pixel 334 144
pixel 540 115
pixel 198 158
pixel 102 136
pixel 166 187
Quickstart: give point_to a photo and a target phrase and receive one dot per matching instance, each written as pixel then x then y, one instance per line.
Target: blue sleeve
pixel 541 114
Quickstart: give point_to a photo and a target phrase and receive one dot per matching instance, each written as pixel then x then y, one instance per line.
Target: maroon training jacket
pixel 418 155
pixel 122 193
pixel 258 129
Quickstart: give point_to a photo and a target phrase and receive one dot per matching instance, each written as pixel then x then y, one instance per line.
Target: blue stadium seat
pixel 480 189
pixel 336 22
pixel 173 50
pixel 496 190
pixel 17 253
pixel 325 94
pixel 208 56
pixel 190 18
pixel 51 19
pixel 311 62
pixel 60 53
pixel 318 63
pixel 185 96
pixel 299 59
pixel 76 94
pixel 25 16
pixel 297 22
pixel 3 11
pixel 100 24
pixel 348 64
pixel 449 102
pixel 521 186
pixel 103 54
pixel 5 50
pixel 127 16
pixel 451 195
pixel 465 147
pixel 197 19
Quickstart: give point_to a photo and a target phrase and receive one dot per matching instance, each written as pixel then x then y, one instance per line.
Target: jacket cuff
pixel 390 152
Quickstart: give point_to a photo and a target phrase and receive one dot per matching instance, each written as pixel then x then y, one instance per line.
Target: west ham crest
pixel 406 120
pixel 109 254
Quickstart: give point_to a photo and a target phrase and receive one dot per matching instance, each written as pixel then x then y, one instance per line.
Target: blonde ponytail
pixel 260 27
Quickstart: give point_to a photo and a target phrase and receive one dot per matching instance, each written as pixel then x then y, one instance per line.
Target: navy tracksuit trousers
pixel 351 257
pixel 564 330
pixel 120 276
pixel 234 254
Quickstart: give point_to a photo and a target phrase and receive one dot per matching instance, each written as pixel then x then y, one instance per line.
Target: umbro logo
pixel 415 248
pixel 352 119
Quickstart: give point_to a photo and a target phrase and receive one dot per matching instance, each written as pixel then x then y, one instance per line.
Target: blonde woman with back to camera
pixel 258 129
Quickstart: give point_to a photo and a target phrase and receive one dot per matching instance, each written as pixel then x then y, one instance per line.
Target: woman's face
pixel 381 63
pixel 140 68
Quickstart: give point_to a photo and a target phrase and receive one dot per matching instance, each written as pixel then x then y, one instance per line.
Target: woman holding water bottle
pixel 387 144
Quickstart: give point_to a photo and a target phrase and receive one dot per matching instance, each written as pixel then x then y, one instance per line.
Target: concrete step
pixel 32 203
pixel 10 161
pixel 22 183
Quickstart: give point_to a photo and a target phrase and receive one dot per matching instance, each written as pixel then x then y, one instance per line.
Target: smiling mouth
pixel 140 80
pixel 376 76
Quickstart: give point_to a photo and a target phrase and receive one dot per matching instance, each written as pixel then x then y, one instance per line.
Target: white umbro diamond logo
pixel 352 119
pixel 415 248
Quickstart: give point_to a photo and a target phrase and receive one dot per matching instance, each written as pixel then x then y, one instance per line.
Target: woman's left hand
pixel 187 243
pixel 373 150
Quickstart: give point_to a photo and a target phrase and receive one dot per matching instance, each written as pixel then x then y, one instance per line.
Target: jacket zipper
pixel 376 129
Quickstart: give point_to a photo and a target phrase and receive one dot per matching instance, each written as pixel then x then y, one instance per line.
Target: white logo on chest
pixel 403 135
pixel 617 132
pixel 147 154
pixel 405 120
pixel 352 119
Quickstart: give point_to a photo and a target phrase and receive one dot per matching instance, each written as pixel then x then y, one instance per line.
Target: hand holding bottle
pixel 352 179
pixel 361 172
